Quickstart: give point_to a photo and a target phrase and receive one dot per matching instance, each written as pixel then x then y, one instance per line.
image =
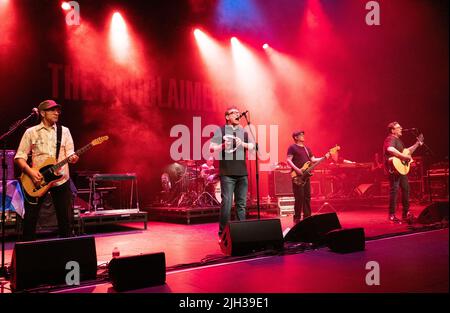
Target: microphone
pixel 409 129
pixel 34 112
pixel 241 115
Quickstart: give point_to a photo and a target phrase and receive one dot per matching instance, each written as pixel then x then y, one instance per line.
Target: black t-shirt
pixel 300 155
pixel 391 141
pixel 231 164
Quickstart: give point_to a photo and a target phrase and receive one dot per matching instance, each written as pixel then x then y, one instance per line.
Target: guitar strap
pixel 58 140
pixel 307 153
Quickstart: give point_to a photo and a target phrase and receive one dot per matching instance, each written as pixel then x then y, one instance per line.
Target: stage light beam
pixel 119 38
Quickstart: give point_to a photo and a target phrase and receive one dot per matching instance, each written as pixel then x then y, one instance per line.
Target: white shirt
pixel 41 142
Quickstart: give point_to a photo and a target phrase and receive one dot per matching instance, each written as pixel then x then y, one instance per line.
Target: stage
pixel 194 259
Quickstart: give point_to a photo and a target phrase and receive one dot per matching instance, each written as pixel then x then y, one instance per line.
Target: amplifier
pixel 280 183
pixel 9 163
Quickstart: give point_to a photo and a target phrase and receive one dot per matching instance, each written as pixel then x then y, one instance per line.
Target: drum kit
pixel 185 184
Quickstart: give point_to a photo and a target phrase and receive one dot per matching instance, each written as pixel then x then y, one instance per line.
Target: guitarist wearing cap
pixel 41 142
pixel 297 156
pixel 397 160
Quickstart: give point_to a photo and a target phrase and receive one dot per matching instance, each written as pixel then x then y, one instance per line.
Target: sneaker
pixel 408 218
pixel 394 219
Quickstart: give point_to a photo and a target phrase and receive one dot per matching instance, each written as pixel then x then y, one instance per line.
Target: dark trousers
pixel 229 185
pixel 62 201
pixel 395 182
pixel 302 196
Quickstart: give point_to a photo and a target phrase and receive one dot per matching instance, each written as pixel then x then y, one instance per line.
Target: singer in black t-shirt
pixel 231 141
pixel 393 146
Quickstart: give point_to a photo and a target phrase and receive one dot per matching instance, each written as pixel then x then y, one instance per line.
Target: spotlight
pixel 66 6
pixel 199 34
pixel 119 38
pixel 234 40
pixel 265 46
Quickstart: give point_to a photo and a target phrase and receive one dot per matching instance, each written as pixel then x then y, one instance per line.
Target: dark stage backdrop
pixel 357 78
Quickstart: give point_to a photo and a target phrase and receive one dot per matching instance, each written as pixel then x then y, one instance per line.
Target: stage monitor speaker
pixel 346 240
pixel 43 262
pixel 138 271
pixel 434 213
pixel 313 229
pixel 244 237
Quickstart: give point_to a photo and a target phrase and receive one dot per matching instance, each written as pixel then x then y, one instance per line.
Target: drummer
pixel 208 171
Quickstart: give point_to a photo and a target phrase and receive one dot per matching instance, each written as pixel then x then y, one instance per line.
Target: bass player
pixel 297 155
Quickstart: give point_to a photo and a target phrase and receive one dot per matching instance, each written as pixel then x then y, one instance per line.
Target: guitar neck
pixel 315 164
pixel 66 160
pixel 414 147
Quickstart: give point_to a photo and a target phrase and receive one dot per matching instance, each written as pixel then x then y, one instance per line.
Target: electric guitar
pixel 48 170
pixel 308 167
pixel 400 166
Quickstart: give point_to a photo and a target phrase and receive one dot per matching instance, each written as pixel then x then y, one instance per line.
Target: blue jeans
pixel 229 185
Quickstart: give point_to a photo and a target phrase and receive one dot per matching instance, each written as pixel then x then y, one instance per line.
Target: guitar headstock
pixel 335 149
pixel 420 139
pixel 99 140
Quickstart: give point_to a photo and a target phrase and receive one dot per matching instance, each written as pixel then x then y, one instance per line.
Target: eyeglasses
pixel 233 112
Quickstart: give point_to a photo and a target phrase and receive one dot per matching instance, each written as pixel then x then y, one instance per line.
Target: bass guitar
pixel 308 167
pixel 400 166
pixel 48 171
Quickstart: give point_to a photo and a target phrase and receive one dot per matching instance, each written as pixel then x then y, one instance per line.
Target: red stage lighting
pixel 197 32
pixel 119 38
pixel 66 6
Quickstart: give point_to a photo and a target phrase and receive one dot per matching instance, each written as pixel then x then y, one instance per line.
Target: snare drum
pixel 213 179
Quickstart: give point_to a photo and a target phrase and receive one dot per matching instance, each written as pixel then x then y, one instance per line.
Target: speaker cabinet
pixel 313 229
pixel 346 240
pixel 280 183
pixel 434 213
pixel 244 237
pixel 44 262
pixel 138 271
pixel 12 172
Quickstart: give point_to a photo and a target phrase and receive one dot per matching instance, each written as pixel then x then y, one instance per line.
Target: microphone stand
pixel 12 129
pixel 430 152
pixel 256 166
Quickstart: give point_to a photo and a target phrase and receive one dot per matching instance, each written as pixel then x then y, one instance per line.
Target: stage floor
pixel 413 263
pixel 406 258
